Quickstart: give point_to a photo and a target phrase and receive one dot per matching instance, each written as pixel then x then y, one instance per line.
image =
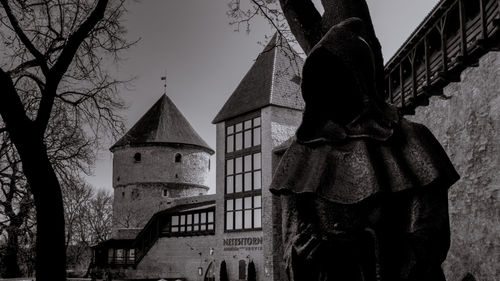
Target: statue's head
pixel 338 78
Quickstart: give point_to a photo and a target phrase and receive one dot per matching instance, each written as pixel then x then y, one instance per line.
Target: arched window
pixel 137 157
pixel 178 158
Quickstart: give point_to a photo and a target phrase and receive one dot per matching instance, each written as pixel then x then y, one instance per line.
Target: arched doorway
pixel 242 270
pixel 210 273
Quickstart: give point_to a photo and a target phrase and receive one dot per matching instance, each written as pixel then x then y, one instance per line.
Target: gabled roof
pixel 274 79
pixel 163 124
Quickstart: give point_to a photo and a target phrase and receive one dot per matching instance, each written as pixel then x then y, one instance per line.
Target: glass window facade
pixel 243 174
pixel 192 223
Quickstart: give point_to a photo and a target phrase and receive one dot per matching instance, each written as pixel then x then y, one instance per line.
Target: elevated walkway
pixel 454 35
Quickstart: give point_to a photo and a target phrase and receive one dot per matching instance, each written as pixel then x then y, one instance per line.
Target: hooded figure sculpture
pixel 363 191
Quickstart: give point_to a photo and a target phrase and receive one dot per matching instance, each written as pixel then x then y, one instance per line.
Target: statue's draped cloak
pixel 350 169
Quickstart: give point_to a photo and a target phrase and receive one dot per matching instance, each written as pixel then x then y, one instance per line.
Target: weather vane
pixel 164 79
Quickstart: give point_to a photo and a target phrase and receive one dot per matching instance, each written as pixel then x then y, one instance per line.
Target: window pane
pixel 239 204
pixel 230 130
pixel 257 184
pixel 175 220
pixel 175 229
pixel 210 216
pixel 257 201
pixel 183 219
pixel 256 161
pixel 131 254
pixel 210 226
pixel 110 254
pixel 248 124
pixel 256 121
pixel 188 228
pixel 196 218
pixel 203 227
pixel 229 220
pixel 248 219
pixel 248 163
pixel 203 218
pixel 229 184
pixel 230 144
pixel 239 141
pixel 239 165
pixel 248 181
pixel 256 136
pixel 239 183
pixel 182 229
pixel 239 127
pixel 196 228
pixel 248 202
pixel 238 223
pixel 229 167
pixel 257 216
pixel 119 254
pixel 229 205
pixel 248 138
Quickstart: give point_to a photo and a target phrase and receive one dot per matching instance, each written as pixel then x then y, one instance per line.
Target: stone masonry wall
pixel 139 185
pixel 158 165
pixel 176 257
pixel 467 124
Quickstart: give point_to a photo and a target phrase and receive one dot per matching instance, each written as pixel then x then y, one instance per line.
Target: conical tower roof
pixel 272 80
pixel 163 124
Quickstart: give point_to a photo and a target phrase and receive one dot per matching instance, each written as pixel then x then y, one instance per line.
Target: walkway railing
pixel 454 35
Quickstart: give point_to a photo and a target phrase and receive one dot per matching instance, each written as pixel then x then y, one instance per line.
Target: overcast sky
pixel 205 59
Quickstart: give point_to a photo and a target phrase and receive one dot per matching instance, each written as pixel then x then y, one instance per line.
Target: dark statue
pixel 363 191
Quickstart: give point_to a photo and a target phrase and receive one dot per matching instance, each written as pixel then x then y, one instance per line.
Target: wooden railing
pixel 454 35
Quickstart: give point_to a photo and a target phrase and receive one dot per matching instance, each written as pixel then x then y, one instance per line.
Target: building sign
pixel 243 243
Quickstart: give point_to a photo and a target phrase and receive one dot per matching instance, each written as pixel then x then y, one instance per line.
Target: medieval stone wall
pixel 467 123
pixel 177 257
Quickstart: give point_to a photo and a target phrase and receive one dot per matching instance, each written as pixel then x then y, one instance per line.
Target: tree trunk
pixel 50 248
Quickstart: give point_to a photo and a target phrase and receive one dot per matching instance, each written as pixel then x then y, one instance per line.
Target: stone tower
pixel 160 158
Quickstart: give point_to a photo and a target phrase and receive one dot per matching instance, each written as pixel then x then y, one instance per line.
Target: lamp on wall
pixel 200 271
pixel 267 268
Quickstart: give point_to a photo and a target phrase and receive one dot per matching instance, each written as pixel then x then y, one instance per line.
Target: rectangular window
pixel 111 256
pixel 244 213
pixel 193 223
pixel 243 135
pixel 119 256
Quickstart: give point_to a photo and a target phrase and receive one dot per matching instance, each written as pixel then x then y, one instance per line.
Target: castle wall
pixel 467 124
pixel 175 257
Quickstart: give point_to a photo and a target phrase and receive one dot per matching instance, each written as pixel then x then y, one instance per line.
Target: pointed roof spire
pixel 272 80
pixel 163 124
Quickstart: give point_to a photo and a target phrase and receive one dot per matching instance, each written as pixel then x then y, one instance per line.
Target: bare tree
pixel 70 153
pixel 53 56
pixel 15 208
pixel 88 221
